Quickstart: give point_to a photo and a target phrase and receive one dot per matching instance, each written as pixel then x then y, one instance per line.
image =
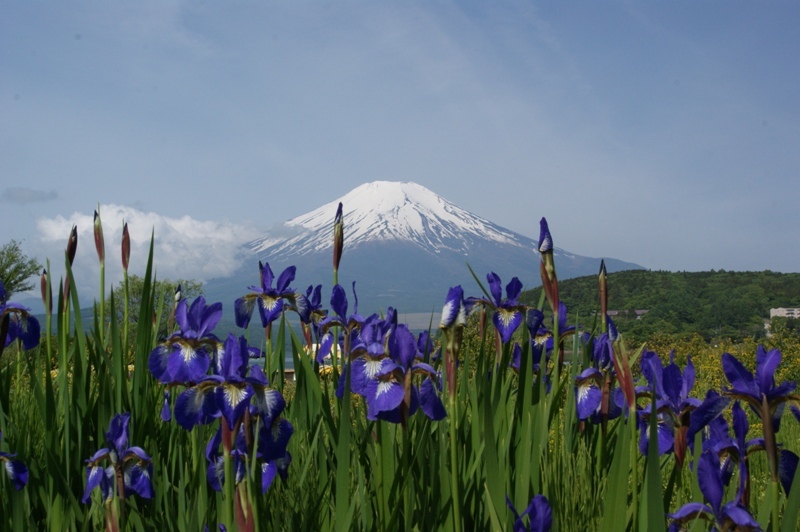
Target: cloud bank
pixel 184 247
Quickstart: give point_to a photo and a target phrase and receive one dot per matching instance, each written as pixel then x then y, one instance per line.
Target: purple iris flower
pixel 131 464
pixel 507 316
pixel 340 319
pixel 234 392
pixel 754 389
pixel 545 335
pixel 596 397
pixel 671 388
pixel 384 377
pixel 533 321
pixel 738 449
pixel 17 323
pixel 538 512
pixel 725 517
pixel 185 356
pixel 274 459
pixel 311 315
pixel 270 300
pixel 765 398
pixel 16 470
pixel 588 393
pixel 313 312
pixel 235 387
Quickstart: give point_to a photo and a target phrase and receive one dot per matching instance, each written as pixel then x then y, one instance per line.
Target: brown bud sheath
pixel 338 237
pixel 72 244
pixel 47 293
pixel 99 243
pixel 126 246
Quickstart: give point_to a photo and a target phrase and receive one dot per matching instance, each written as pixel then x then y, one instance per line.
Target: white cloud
pixel 183 247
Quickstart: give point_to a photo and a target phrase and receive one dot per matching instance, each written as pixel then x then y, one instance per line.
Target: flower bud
pixel 545 239
pixel 99 243
pixel 453 313
pixel 602 286
pixel 547 266
pixel 47 293
pixel 72 244
pixel 338 237
pixel 126 246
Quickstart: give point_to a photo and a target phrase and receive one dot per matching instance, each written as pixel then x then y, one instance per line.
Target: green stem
pixel 634 469
pixel 455 493
pixel 230 479
pixel 102 323
pixel 775 489
pixel 125 314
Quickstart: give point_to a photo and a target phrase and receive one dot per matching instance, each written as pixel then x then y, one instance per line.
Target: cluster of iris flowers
pixel 680 417
pixel 234 392
pixel 383 358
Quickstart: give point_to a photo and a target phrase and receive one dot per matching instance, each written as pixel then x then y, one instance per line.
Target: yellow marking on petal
pixel 383 387
pixel 506 316
pixel 234 395
pixel 269 303
pixel 583 391
pixel 373 367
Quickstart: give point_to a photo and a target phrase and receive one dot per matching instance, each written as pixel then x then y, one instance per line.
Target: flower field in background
pixel 503 416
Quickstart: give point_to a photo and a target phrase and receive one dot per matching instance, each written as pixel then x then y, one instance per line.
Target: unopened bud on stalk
pixel 47 293
pixel 72 244
pixel 126 246
pixel 99 242
pixel 454 313
pixel 72 247
pixel 177 294
pixel 547 265
pixel 338 237
pixel 546 248
pixel 602 286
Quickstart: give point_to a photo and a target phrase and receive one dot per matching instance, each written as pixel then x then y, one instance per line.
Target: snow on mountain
pixel 384 211
pixel 404 246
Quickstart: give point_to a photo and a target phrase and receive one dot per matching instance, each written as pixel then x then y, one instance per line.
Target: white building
pixel 784 312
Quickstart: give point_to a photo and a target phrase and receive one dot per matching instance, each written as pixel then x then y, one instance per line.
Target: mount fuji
pixel 404 246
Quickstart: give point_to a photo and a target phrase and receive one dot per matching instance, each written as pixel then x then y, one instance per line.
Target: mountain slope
pixel 389 211
pixel 405 246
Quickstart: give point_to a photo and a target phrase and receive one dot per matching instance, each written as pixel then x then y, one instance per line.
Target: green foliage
pixel 163 290
pixel 16 269
pixel 505 435
pixel 714 304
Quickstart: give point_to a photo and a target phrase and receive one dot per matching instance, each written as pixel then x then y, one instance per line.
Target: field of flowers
pixel 503 417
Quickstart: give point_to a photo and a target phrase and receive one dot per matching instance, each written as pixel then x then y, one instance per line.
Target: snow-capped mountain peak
pixel 389 211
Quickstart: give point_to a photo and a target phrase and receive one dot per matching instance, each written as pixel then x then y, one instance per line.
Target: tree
pixel 164 290
pixel 16 269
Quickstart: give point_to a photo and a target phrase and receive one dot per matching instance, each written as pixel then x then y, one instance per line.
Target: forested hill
pixel 712 304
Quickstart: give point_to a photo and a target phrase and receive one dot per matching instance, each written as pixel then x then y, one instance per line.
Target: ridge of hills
pixel 712 304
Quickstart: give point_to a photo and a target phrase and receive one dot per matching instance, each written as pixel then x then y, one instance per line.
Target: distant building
pixel 784 313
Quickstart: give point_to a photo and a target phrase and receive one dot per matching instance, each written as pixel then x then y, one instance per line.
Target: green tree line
pixel 712 304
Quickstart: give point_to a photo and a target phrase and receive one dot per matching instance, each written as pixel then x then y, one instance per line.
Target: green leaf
pixel 652 515
pixel 616 500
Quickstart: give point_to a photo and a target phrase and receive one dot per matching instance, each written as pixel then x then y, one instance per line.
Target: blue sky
pixel 662 133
